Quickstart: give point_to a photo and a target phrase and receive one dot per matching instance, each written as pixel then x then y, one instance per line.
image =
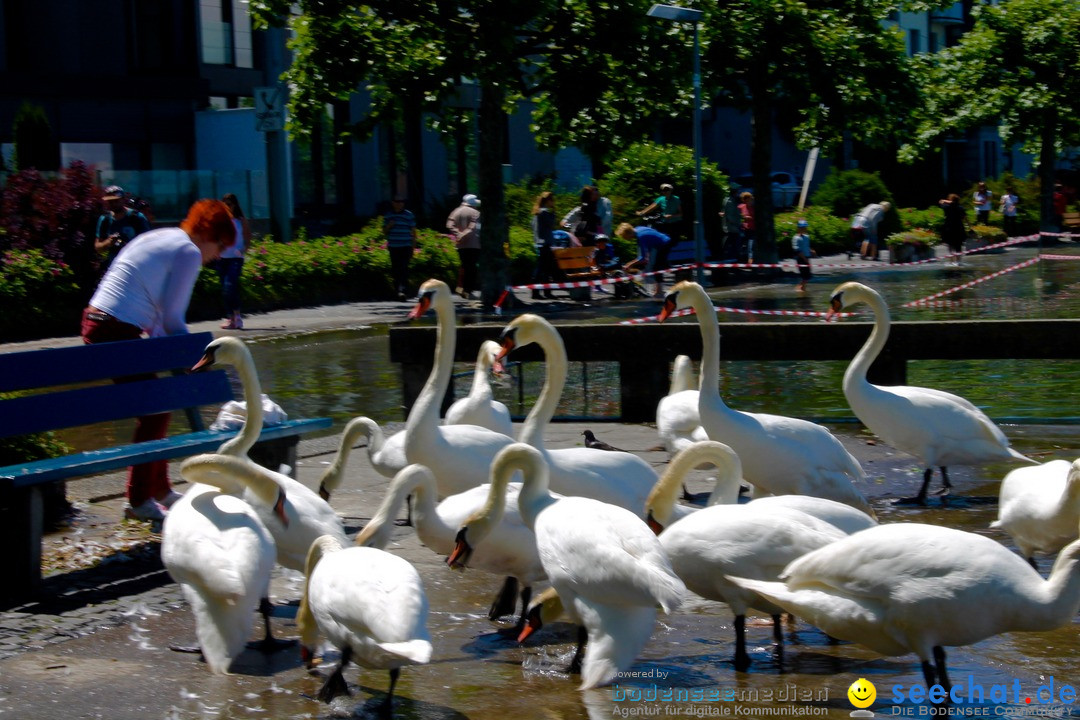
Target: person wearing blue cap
pixel 800 243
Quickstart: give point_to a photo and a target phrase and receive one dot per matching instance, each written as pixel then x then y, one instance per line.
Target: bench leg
pixel 272 454
pixel 21 520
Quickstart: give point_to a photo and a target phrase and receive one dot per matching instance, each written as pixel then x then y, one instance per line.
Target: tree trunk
pixel 1047 157
pixel 761 123
pixel 414 157
pixel 494 233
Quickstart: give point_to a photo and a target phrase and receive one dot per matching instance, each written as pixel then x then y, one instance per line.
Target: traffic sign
pixel 270 108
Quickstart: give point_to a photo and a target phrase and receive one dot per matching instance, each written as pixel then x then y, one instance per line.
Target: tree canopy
pixel 1016 68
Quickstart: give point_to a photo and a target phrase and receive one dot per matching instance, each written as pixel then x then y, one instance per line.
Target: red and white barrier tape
pixel 1060 257
pixel 737 311
pixel 973 283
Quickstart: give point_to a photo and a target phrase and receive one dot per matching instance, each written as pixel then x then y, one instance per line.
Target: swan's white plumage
pixel 677 419
pixel 603 561
pixel 216 547
pixel 458 455
pixel 480 407
pixel 780 455
pixel 619 478
pixel 937 427
pixel 1039 507
pixel 510 549
pixel 909 587
pixel 367 600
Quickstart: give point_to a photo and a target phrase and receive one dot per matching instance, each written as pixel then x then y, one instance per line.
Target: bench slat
pixel 100 403
pixel 114 458
pixel 85 363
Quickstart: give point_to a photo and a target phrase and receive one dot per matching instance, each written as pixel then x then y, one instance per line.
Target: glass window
pixel 226 33
pixel 97 155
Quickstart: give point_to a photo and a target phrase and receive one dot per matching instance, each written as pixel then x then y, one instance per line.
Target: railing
pixel 644 352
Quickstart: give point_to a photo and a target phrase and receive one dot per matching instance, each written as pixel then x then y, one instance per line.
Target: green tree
pixel 828 69
pixel 1017 67
pixel 35 146
pixel 583 64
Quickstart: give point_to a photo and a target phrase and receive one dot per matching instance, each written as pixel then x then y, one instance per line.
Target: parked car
pixel 786 187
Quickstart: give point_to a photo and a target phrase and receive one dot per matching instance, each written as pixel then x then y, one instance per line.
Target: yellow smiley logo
pixel 862 693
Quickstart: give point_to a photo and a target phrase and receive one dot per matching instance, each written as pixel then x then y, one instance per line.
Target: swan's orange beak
pixel 422 305
pixel 835 306
pixel 497 365
pixel 324 493
pixel 204 362
pixel 669 307
pixel 532 624
pixel 508 343
pixel 308 657
pixel 459 557
pixel 279 508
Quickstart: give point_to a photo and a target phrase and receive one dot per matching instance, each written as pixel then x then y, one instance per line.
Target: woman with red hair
pixel 147 288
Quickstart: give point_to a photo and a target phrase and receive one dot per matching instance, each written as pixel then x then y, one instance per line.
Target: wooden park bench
pixel 1071 221
pixel 72 386
pixel 577 264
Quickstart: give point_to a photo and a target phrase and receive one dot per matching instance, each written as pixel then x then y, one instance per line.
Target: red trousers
pixel 149 480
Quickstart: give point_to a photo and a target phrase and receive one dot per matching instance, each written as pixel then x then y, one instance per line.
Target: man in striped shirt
pixel 400 227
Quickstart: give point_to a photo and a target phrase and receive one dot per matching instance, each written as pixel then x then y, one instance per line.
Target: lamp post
pixel 680 14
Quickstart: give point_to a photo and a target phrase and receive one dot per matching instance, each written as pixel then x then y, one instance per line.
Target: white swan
pixel 677 419
pixel 1039 507
pixel 216 547
pixel 661 509
pixel 309 515
pixel 602 560
pixel 372 607
pixel 780 455
pixel 912 588
pixel 480 407
pixel 387 454
pixel 618 478
pixel 510 550
pixel 458 455
pixel 937 427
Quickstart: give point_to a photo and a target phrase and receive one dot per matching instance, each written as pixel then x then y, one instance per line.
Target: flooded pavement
pixel 124 669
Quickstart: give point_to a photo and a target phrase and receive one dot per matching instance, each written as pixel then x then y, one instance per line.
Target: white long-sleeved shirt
pixel 149 283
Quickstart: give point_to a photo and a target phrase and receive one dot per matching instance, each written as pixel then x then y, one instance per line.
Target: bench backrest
pixel 575 259
pixel 57 407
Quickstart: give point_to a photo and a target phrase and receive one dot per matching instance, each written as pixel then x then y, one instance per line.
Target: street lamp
pixel 680 14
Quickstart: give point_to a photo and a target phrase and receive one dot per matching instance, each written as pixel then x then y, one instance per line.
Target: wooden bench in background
pixel 72 386
pixel 1071 221
pixel 576 264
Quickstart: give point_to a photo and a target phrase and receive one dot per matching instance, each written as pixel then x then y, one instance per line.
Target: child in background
pixel 800 243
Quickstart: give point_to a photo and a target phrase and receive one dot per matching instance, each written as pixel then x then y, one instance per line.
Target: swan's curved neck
pixel 253 423
pixel 425 411
pixel 872 347
pixel 333 475
pixel 411 481
pixel 1059 595
pixel 231 474
pixel 555 367
pixel 305 618
pixel 666 492
pixel 682 376
pixel 709 384
pixel 481 388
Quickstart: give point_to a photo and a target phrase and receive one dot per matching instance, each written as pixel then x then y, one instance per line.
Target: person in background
pixel 864 228
pixel 800 244
pixel 603 210
pixel 1061 206
pixel 118 225
pixel 1009 204
pixel 464 227
pixel 147 290
pixel 399 225
pixel 670 208
pixel 983 199
pixel 584 221
pixel 231 263
pixel 954 229
pixel 543 224
pixel 746 226
pixel 653 248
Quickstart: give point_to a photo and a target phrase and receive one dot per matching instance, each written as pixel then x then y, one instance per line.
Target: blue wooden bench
pixel 71 386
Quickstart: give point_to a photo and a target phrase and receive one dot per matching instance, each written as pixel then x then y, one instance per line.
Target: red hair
pixel 210 220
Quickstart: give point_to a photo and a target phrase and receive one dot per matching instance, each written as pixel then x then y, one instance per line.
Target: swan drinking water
pixel 937 427
pixel 604 562
pixel 1039 507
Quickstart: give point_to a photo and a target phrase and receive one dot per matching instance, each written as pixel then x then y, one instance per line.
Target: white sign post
pixel 270 108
